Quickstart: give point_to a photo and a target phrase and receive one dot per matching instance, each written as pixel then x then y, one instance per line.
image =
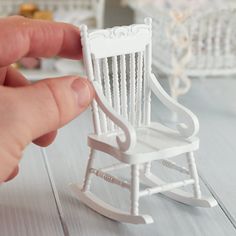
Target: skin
pixel 34 112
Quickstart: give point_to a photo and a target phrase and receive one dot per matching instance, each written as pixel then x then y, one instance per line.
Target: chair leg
pixel 105 209
pixel 147 168
pixel 88 174
pixel 194 174
pixel 134 191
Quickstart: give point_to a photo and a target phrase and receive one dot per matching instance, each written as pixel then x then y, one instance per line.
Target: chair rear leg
pixel 194 174
pixel 88 174
pixel 147 168
pixel 134 191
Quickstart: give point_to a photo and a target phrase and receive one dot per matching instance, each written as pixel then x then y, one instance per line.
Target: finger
pixel 3 72
pixel 34 110
pixel 46 139
pixel 37 38
pixel 13 174
pixel 45 106
pixel 15 79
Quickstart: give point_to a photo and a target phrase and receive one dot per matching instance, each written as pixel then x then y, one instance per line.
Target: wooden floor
pixel 38 201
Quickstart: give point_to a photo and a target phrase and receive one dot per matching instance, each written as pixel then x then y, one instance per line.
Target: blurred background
pixel 191 38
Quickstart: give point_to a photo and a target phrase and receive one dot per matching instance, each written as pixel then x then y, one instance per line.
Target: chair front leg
pixel 88 174
pixel 134 190
pixel 194 174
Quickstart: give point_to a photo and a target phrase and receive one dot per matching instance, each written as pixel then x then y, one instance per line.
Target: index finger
pixel 37 38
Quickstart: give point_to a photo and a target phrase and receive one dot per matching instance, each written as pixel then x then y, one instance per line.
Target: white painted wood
pixel 115 166
pixel 174 166
pixel 134 190
pixel 27 203
pixel 124 103
pixel 88 174
pixel 129 131
pixel 139 89
pixel 189 127
pixel 194 174
pixel 107 89
pixel 154 143
pixel 101 207
pixel 166 187
pixel 140 34
pixel 147 167
pixel 110 178
pixel 101 115
pixel 88 64
pixel 133 143
pixel 178 194
pixel 148 71
pixel 132 91
pixel 116 89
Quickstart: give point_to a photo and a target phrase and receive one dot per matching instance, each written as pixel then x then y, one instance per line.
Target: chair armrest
pixel 189 125
pixel 129 131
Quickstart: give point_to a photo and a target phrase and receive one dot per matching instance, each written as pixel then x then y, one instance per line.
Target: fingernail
pixel 83 92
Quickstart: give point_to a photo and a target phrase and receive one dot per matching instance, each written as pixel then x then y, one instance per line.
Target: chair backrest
pixel 119 59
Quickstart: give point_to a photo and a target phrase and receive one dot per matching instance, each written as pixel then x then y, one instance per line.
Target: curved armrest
pixel 130 134
pixel 189 126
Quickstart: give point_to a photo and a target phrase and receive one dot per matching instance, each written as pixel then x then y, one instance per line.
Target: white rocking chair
pixel 121 115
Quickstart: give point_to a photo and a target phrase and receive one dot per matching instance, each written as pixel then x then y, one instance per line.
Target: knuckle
pixel 51 101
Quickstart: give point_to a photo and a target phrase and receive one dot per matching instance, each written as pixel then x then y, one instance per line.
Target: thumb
pixel 49 104
pixel 31 111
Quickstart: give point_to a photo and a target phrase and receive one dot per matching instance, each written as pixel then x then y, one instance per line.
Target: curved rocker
pixel 178 195
pixel 107 210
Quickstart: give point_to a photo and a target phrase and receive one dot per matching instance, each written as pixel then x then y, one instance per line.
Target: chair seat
pixel 154 142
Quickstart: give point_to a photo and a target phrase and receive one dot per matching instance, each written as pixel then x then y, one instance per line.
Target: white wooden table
pixel 38 201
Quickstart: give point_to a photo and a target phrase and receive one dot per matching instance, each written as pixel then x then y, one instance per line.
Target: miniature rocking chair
pixel 121 116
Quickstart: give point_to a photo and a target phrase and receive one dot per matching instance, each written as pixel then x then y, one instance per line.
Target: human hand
pixel 33 112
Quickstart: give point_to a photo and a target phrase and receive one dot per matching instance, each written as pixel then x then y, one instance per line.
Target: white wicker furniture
pixel 211 35
pixel 123 129
pixel 90 10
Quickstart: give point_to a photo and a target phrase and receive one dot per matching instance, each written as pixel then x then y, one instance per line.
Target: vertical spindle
pixel 148 71
pixel 124 105
pixel 134 191
pixel 116 87
pixel 88 174
pixel 132 88
pixel 89 68
pixel 107 89
pixel 139 88
pixel 194 174
pixel 102 116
